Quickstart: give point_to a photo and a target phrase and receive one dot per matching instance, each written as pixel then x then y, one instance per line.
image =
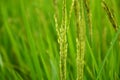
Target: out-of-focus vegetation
pixel 29 43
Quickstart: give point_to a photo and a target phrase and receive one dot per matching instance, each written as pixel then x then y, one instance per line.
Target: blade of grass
pixel 108 53
pixel 92 55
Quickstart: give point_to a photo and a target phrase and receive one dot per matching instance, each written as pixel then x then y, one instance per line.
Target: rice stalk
pixel 63 44
pixel 56 16
pixel 80 41
pixel 62 40
pixel 110 15
pixel 70 13
pixel 89 18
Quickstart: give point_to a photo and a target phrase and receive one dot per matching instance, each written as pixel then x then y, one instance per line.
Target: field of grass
pixel 59 40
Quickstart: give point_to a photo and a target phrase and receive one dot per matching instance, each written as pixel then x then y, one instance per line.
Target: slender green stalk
pixel 62 40
pixel 56 16
pixel 89 18
pixel 70 14
pixel 110 15
pixel 80 41
pixel 63 43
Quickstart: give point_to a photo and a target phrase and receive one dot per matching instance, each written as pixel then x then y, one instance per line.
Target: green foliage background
pixel 28 41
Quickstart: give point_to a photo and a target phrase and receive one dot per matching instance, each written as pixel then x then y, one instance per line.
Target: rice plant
pixel 59 40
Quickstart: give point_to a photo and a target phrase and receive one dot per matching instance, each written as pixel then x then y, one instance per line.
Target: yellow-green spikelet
pixel 80 40
pixel 63 43
pixel 62 40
